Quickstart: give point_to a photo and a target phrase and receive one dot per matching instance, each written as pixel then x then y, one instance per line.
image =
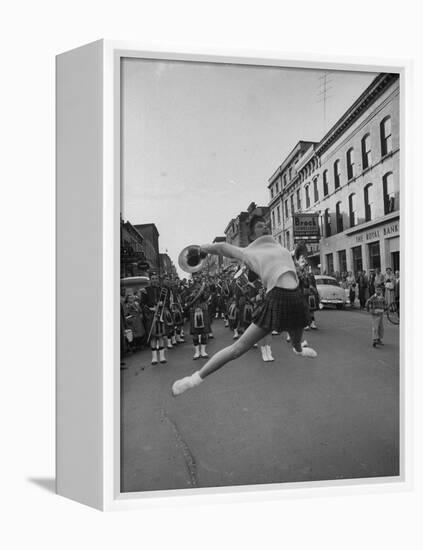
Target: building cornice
pixel 372 92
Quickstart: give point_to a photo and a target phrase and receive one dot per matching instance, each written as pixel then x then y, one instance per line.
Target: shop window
pixel 368 202
pixel 342 260
pixel 316 190
pixel 337 174
pixel 352 203
pixel 339 219
pixel 350 163
pixel 389 193
pixel 386 135
pixel 329 263
pixel 357 259
pixel 374 255
pixel 366 152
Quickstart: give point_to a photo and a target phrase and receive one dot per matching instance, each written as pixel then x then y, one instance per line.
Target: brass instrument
pixel 159 310
pixel 192 259
pixel 135 282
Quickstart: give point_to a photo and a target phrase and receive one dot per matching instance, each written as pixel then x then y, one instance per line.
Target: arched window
pixel 339 220
pixel 352 203
pixel 366 152
pixel 325 183
pixel 328 231
pixel 307 194
pixel 386 135
pixel 389 193
pixel 337 173
pixel 316 190
pixel 350 163
pixel 368 202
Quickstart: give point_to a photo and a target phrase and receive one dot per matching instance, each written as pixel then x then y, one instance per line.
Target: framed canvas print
pixel 230 246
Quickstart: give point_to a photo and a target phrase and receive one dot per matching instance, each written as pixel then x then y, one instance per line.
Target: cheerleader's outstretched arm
pixel 223 249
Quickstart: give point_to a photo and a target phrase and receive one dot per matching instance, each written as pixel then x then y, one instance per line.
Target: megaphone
pixel 192 259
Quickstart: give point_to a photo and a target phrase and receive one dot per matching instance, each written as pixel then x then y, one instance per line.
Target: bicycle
pixel 393 313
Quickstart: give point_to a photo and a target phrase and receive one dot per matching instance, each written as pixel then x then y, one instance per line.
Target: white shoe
pixel 174 340
pixel 203 352
pixel 226 324
pixel 306 328
pixel 184 384
pixel 269 353
pixel 264 353
pixel 307 352
pixel 169 345
pixel 255 346
pixel 288 338
pixel 313 325
pixel 236 335
pixel 304 344
pixel 154 359
pixel 197 352
pixel 162 356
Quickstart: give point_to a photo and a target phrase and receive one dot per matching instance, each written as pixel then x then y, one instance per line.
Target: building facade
pixel 151 245
pixel 350 179
pixel 283 198
pixel 133 261
pixel 167 267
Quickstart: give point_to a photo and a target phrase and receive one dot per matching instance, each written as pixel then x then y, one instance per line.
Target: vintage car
pixel 330 292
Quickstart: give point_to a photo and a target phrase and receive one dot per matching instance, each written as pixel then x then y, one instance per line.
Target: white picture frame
pixel 88 200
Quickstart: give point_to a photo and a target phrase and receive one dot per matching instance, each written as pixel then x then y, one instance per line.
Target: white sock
pixel 196 378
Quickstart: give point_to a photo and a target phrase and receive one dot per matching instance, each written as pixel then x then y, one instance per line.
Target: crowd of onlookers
pixel 362 285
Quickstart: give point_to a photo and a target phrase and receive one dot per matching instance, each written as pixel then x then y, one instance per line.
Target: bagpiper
pixel 156 329
pixel 199 319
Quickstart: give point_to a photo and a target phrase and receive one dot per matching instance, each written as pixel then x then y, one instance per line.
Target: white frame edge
pixel 108 496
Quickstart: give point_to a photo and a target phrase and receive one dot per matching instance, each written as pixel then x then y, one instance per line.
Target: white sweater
pixel 269 260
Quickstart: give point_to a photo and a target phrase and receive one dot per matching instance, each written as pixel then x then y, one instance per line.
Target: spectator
pixel 362 283
pixel 376 305
pixel 372 276
pixel 397 290
pixel 351 285
pixel 389 286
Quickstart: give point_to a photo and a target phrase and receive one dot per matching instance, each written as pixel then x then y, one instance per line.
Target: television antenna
pixel 325 81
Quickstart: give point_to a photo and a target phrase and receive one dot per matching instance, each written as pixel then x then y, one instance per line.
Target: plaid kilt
pixel 206 319
pixel 282 310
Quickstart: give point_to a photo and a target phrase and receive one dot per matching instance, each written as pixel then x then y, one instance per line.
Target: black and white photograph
pixel 259 275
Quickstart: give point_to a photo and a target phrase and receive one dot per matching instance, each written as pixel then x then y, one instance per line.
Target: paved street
pixel 252 422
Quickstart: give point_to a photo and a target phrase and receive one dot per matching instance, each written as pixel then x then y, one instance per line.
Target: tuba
pixel 192 259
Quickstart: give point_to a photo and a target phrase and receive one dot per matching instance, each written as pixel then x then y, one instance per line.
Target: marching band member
pixel 155 297
pixel 177 314
pixel 199 319
pixel 283 308
pixel 264 343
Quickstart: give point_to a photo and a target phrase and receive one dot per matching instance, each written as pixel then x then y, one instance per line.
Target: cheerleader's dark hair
pixel 300 250
pixel 253 222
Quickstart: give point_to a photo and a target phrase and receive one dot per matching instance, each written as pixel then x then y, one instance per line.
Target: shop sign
pixel 374 234
pixel 306 225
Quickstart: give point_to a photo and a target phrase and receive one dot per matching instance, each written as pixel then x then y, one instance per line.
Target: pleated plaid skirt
pixel 282 310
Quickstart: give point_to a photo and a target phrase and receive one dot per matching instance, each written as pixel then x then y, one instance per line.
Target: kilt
pixel 206 320
pixel 282 310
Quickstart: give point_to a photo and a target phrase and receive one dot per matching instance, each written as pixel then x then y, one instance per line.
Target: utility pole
pixel 324 87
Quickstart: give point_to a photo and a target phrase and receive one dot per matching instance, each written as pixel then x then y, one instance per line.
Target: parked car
pixel 330 292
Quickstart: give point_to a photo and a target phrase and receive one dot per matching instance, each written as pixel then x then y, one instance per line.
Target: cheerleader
pixel 199 320
pixel 283 308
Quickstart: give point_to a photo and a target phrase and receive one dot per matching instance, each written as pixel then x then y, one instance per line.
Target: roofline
pixel 379 84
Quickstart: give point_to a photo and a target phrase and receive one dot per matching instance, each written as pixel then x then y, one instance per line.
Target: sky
pixel 201 140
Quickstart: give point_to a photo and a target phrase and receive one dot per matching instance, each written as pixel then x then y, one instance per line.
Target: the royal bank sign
pixel 306 225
